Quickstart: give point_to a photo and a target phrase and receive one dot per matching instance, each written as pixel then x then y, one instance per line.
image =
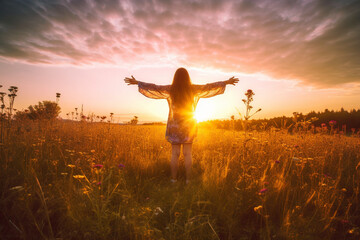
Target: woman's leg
pixel 175 153
pixel 187 148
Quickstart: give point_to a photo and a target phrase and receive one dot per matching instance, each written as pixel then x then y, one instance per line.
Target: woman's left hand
pixel 131 81
pixel 232 80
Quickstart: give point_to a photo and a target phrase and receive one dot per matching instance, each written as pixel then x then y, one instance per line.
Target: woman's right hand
pixel 232 80
pixel 131 81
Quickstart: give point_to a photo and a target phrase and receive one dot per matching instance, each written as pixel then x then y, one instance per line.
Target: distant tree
pixel 43 110
pixel 134 121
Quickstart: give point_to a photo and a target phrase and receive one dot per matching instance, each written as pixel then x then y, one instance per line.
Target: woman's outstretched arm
pixel 150 90
pixel 232 81
pixel 131 81
pixel 213 89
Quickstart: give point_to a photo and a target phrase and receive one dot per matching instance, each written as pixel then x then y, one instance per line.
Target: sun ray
pixel 204 111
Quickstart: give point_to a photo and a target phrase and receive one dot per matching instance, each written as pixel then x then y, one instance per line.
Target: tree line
pixel 339 121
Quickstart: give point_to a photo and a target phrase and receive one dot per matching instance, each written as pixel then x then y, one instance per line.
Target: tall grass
pixel 73 180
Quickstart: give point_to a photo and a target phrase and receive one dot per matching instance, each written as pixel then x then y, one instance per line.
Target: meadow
pixel 78 180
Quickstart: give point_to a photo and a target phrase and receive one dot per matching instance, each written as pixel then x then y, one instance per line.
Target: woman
pixel 182 97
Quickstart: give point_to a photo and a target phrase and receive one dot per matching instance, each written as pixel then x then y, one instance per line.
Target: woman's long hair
pixel 180 91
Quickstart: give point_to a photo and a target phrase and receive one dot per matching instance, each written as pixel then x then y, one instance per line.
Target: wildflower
pixel 258 209
pixel 98 166
pixel 314 119
pixel 71 165
pixel 354 231
pixel 158 210
pixel 277 161
pixel 249 92
pixel 327 176
pixel 64 173
pixel 344 190
pixel 121 166
pixel 98 183
pixel 79 176
pixel 17 188
pixel 332 122
pixel 92 151
pixel 264 190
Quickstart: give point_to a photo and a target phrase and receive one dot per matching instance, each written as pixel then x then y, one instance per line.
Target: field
pixel 72 180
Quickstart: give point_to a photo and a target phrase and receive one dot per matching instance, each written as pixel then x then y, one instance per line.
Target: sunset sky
pixel 295 55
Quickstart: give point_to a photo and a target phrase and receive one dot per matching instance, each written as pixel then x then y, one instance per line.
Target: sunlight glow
pixel 204 112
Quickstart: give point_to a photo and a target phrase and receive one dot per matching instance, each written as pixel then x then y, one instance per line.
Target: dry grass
pixel 270 186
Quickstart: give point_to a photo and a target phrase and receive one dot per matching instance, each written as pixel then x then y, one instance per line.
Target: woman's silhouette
pixel 182 97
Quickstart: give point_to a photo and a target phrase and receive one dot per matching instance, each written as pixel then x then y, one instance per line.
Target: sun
pixel 204 111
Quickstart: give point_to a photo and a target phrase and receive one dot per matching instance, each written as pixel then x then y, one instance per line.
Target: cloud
pixel 313 41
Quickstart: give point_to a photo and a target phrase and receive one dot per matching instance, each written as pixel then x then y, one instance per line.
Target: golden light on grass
pixel 286 182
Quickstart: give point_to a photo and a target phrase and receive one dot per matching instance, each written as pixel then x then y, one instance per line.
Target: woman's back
pixel 181 124
pixel 182 97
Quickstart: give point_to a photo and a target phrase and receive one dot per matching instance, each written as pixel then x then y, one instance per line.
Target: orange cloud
pixel 314 41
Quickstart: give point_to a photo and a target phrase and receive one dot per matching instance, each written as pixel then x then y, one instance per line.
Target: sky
pixel 295 55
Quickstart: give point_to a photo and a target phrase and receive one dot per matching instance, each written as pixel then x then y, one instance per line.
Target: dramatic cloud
pixel 316 41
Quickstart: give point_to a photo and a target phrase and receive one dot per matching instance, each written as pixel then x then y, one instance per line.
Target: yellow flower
pixel 85 191
pixel 71 165
pixel 258 209
pixel 79 176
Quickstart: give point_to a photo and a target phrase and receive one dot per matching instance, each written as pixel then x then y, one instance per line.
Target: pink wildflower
pixel 343 221
pixel 327 176
pixel 264 190
pixel 98 166
pixel 332 122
